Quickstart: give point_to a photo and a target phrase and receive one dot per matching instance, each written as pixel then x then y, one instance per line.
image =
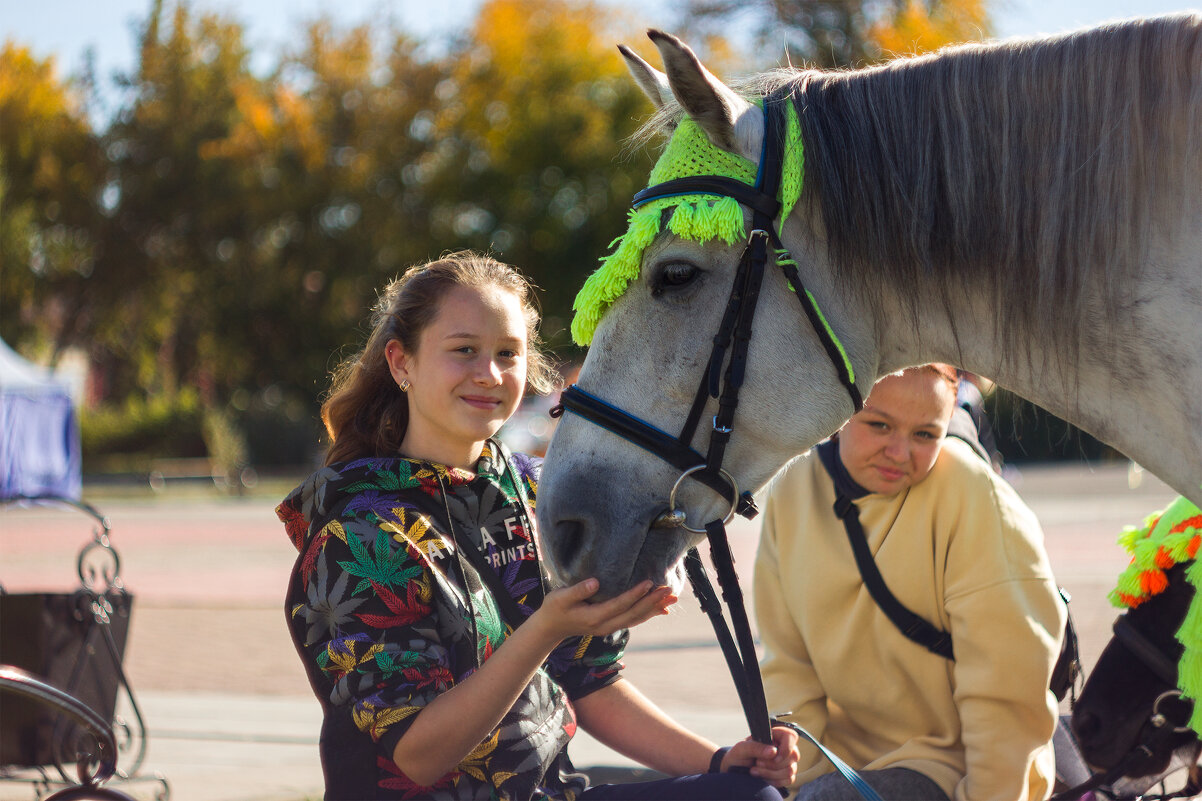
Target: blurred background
pixel 198 200
pixel 198 203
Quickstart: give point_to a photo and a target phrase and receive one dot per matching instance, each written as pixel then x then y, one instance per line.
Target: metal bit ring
pixel 677 516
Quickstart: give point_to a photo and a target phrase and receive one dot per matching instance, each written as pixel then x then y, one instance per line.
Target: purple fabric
pixel 39 444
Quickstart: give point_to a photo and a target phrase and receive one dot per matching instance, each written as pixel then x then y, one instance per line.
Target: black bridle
pixel 733 336
pixel 1145 650
pixel 1154 737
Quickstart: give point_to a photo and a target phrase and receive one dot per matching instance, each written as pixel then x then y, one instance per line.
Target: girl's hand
pixel 566 612
pixel 775 764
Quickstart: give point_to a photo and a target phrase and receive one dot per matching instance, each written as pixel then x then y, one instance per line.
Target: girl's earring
pixel 404 385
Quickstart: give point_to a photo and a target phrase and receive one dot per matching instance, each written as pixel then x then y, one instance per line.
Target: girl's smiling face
pixel 466 377
pixel 893 443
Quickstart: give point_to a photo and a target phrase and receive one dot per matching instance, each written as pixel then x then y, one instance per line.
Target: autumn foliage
pixel 219 236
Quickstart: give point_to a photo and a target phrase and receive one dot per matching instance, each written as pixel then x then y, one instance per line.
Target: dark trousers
pixel 892 784
pixel 702 787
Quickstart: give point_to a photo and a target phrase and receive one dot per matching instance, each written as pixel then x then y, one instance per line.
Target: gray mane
pixel 1032 166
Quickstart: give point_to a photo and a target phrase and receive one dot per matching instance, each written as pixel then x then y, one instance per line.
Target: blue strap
pixel 862 787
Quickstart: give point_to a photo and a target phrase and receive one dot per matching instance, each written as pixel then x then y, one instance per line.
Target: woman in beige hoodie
pixel 955 545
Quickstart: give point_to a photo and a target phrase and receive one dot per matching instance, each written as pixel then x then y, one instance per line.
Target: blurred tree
pixel 226 234
pixel 350 192
pixel 257 214
pixel 529 157
pixel 917 27
pixel 162 275
pixel 51 171
pixel 842 33
pixel 220 242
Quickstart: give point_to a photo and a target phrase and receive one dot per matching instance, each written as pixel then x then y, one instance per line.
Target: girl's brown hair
pixel 364 412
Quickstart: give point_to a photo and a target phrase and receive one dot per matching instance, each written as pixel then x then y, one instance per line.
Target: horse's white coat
pixel 1134 382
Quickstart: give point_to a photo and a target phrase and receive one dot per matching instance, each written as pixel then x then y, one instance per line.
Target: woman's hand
pixel 567 612
pixel 775 764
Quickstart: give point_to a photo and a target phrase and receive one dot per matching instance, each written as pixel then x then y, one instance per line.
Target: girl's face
pixel 893 442
pixel 466 377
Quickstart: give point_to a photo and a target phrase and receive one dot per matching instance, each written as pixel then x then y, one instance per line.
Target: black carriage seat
pixel 61 656
pixel 95 767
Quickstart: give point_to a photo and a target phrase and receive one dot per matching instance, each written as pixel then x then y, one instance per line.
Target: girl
pixel 445 666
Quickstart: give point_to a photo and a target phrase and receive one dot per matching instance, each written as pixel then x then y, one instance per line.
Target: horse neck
pixel 1074 280
pixel 1125 387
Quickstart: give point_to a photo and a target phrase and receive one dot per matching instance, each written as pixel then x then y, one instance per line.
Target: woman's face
pixel 466 377
pixel 893 442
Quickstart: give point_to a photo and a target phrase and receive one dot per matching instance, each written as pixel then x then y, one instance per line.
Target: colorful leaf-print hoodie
pixel 386 614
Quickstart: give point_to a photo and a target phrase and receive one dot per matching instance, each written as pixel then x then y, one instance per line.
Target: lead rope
pixel 741 658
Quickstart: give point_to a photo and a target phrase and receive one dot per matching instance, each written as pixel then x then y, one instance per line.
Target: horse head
pixel 1132 712
pixel 663 294
pixel 919 228
pixel 1114 712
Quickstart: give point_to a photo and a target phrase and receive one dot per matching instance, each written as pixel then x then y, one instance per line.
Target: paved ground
pixel 229 712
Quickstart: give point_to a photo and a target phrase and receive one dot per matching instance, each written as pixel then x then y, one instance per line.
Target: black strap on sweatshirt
pixel 1068 664
pixel 908 623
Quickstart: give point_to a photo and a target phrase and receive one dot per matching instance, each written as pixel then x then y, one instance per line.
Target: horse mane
pixel 1076 139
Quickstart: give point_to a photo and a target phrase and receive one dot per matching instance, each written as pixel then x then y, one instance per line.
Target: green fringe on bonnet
pixel 1189 668
pixel 698 218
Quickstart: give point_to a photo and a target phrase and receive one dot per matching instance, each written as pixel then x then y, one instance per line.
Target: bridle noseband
pixel 734 334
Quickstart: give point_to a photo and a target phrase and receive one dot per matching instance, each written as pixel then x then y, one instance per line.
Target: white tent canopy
pixel 39 437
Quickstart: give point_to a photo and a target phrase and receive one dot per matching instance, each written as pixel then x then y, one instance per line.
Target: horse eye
pixel 673 275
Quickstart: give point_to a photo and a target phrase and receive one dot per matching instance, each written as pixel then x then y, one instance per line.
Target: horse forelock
pixel 1075 139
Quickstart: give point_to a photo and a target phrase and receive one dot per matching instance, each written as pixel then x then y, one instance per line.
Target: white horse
pixel 1029 210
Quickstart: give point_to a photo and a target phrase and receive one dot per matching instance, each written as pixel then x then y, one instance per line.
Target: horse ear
pixel 708 101
pixel 653 82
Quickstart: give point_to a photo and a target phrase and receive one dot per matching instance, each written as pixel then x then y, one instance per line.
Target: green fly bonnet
pixel 699 218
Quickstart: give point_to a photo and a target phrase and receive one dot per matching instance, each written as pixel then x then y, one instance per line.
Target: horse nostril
pixel 566 543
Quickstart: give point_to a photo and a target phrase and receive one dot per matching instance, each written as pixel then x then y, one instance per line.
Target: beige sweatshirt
pixel 959 549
